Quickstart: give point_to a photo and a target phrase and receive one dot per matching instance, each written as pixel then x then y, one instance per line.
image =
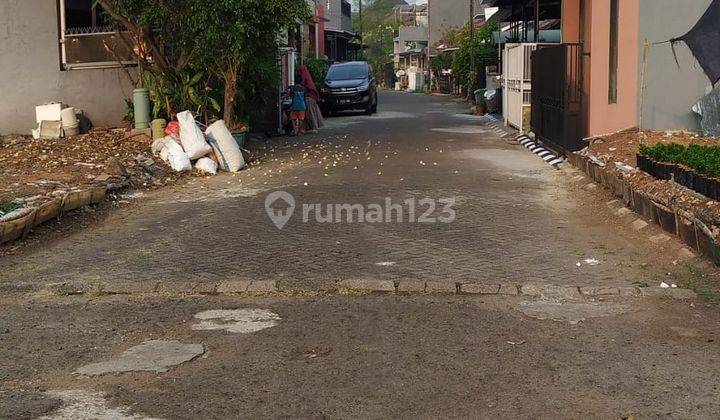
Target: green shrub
pixel 318 69
pixel 702 159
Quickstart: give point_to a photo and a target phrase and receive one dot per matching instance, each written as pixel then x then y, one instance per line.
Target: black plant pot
pixel 701 184
pixel 690 179
pixel 712 188
pixel 642 162
pixel 662 171
pixel 651 167
pixel 680 174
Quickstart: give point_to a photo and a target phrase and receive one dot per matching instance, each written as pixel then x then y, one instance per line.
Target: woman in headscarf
pixel 314 116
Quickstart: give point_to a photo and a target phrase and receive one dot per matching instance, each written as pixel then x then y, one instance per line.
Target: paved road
pixel 318 351
pixel 517 219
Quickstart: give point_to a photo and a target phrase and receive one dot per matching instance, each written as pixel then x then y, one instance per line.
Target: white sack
pixel 159 144
pixel 191 136
pixel 175 156
pixel 207 165
pixel 226 148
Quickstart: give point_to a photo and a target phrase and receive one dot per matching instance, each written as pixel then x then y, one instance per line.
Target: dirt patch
pixel 624 146
pixel 31 167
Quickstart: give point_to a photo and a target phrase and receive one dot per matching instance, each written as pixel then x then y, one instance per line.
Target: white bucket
pixel 72 130
pixel 69 119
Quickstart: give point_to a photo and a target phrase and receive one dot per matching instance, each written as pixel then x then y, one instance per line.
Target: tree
pixel 225 38
pixel 378 28
pixel 482 48
pixel 230 36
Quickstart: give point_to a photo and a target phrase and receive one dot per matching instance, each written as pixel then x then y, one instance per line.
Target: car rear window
pixel 348 72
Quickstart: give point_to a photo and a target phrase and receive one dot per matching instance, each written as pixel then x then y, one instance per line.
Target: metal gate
pixel 557 103
pixel 517 84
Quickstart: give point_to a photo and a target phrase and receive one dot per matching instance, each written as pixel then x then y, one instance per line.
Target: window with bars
pixel 88 39
pixel 614 27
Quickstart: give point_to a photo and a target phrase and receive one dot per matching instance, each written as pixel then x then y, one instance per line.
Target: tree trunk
pixel 230 77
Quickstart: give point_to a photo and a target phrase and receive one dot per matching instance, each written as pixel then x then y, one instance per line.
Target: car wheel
pixel 375 106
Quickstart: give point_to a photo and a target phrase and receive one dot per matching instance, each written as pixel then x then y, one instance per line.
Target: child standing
pixel 298 108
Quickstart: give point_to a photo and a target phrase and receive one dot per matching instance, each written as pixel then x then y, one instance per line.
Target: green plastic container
pixel 141 105
pixel 480 96
pixel 239 137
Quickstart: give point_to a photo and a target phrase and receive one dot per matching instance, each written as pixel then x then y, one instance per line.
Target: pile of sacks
pixel 213 150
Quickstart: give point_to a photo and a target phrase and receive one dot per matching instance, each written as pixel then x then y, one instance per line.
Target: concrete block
pixel 707 246
pixel 686 231
pixel 508 290
pixel 176 287
pixel 263 286
pixel 666 219
pixel 599 291
pixel 70 288
pixel 639 224
pixel 672 293
pixel 411 286
pixel 233 286
pixel 479 289
pixel 440 287
pixel 129 287
pixel 659 239
pixel 629 291
pixel 385 286
pixel 205 288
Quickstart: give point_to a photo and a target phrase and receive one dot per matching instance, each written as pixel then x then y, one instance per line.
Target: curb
pixel 54 208
pixel 697 236
pixel 551 158
pixel 345 287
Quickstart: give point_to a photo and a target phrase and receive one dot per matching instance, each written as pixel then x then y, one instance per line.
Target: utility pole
pixel 361 19
pixel 472 44
pixel 362 41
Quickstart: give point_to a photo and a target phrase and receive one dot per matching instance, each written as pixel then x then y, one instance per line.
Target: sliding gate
pixel 557 96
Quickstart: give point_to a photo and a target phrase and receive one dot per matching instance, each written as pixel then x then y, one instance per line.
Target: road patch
pixel 151 356
pixel 238 321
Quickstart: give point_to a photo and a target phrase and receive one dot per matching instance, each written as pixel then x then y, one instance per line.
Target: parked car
pixel 350 86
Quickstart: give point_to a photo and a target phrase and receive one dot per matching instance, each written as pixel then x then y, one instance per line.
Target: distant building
pixel 411 47
pixel 339 32
pixel 444 15
pixel 411 43
pixel 411 15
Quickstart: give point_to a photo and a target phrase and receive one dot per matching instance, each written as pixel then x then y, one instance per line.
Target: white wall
pixel 671 90
pixel 30 71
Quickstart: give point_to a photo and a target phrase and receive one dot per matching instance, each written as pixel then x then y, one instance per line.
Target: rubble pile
pixel 30 167
pixel 42 177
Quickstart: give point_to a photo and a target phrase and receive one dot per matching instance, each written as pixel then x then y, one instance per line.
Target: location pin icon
pixel 280 206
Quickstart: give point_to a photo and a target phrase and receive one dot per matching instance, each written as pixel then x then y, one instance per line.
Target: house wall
pixel 443 15
pixel 412 33
pixel 337 20
pixel 601 116
pixel 30 72
pixel 670 90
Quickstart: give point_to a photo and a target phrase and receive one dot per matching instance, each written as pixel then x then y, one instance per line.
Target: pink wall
pixel 601 116
pixel 320 13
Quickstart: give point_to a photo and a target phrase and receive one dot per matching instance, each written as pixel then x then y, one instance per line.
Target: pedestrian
pixel 314 115
pixel 298 109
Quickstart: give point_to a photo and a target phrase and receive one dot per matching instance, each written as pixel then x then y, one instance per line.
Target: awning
pixel 519 10
pixel 342 34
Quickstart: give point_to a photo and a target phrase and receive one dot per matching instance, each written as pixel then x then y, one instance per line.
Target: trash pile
pixel 56 120
pixel 185 143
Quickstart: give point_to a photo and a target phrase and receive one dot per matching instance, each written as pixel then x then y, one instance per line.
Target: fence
pixel 557 103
